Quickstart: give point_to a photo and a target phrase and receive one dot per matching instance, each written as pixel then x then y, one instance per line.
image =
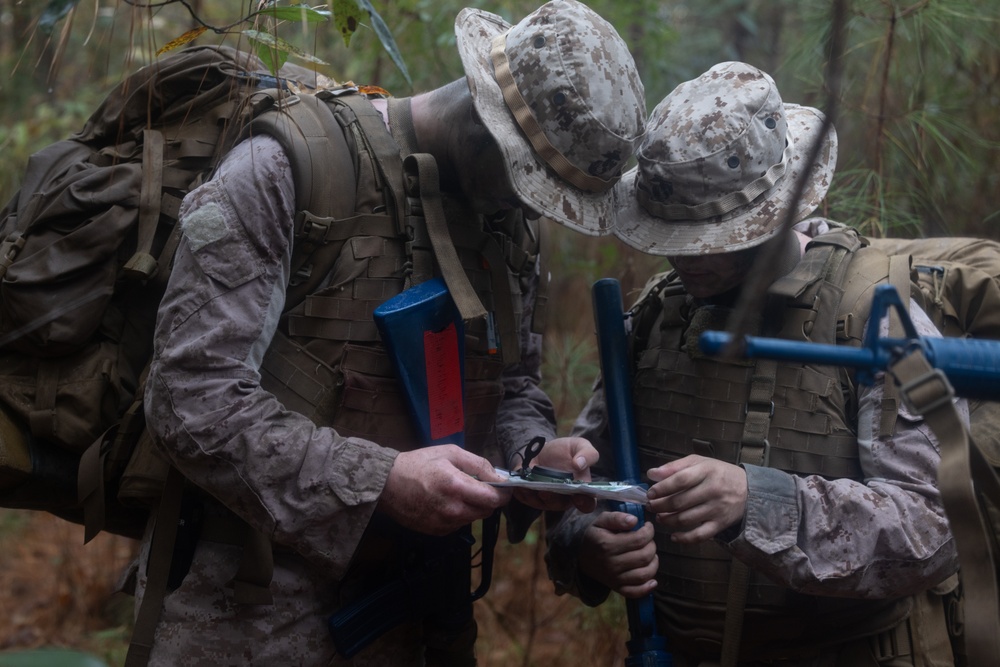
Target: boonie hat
pixel 718 167
pixel 561 96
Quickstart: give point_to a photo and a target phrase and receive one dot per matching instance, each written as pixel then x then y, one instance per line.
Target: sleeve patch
pixel 205 224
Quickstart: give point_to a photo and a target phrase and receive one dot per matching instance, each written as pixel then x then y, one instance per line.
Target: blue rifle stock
pixel 971 366
pixel 646 647
pixel 424 336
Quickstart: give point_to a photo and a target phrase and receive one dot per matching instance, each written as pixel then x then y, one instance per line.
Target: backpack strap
pixel 423 194
pixel 963 474
pixel 423 184
pixel 161 551
pixel 418 244
pixel 322 167
pixel 142 264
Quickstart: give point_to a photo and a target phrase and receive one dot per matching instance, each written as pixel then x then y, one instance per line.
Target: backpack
pixel 957 283
pixel 85 252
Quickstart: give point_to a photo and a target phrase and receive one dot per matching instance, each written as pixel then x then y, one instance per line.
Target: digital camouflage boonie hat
pixel 718 166
pixel 560 93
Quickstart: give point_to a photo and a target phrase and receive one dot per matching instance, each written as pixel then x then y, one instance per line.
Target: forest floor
pixel 57 592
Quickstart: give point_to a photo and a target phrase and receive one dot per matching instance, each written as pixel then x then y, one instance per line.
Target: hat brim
pixel 535 183
pixel 745 227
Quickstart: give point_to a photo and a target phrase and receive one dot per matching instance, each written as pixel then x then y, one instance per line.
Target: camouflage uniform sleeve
pixel 564 530
pixel 526 411
pixel 885 537
pixel 302 484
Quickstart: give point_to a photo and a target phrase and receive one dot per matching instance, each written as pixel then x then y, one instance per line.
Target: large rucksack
pixel 85 252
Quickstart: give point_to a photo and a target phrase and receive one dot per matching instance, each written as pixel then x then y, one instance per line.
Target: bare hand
pixel 621 558
pixel 696 497
pixel 574 455
pixel 437 490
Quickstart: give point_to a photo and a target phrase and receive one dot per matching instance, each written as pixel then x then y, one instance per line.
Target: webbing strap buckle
pixel 927 392
pixel 9 249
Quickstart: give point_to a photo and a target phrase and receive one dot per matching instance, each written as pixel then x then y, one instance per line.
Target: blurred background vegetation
pixel 917 110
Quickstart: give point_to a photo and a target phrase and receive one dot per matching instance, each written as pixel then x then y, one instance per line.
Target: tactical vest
pixel 327 361
pixel 688 403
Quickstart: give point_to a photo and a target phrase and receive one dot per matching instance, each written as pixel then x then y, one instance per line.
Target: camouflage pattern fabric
pixel 718 165
pixel 571 110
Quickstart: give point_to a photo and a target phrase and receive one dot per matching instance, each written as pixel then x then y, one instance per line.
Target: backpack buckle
pixel 9 249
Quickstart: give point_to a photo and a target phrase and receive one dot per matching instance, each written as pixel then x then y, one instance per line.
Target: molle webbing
pixel 812 289
pixel 869 269
pixel 677 394
pixel 325 179
pixel 343 311
pixel 688 403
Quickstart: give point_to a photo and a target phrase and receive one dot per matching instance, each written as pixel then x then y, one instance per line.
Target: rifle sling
pixel 962 472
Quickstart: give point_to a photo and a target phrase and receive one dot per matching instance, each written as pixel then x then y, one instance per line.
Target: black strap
pixel 161 550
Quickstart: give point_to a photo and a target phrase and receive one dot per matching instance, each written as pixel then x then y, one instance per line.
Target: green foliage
pixel 20 138
pixel 380 28
pixel 348 16
pixel 918 136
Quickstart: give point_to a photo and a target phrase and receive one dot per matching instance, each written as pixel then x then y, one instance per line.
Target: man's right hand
pixel 437 490
pixel 619 557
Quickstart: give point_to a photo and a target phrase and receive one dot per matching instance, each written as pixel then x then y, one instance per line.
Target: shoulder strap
pixel 387 153
pixel 416 191
pixel 647 307
pixel 869 269
pixel 322 163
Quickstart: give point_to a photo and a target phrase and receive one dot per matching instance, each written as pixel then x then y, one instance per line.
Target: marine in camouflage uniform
pixel 776 481
pixel 541 126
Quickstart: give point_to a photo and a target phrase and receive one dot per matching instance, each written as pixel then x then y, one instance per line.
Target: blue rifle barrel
pixel 646 647
pixel 972 366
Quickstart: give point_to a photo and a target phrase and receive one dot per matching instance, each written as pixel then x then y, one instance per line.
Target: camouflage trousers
pixel 201 624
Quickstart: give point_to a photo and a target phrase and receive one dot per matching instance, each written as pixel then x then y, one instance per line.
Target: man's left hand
pixel 574 455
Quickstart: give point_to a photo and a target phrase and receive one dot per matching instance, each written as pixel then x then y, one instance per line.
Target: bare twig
pixel 753 295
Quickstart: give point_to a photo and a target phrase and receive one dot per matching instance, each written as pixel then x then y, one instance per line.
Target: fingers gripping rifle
pixel 930 372
pixel 646 648
pixel 424 335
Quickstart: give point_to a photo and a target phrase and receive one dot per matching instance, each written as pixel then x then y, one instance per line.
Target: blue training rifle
pixel 930 371
pixel 646 647
pixel 971 366
pixel 423 333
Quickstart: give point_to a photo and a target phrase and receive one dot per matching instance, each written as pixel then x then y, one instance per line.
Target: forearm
pixel 887 536
pixel 564 538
